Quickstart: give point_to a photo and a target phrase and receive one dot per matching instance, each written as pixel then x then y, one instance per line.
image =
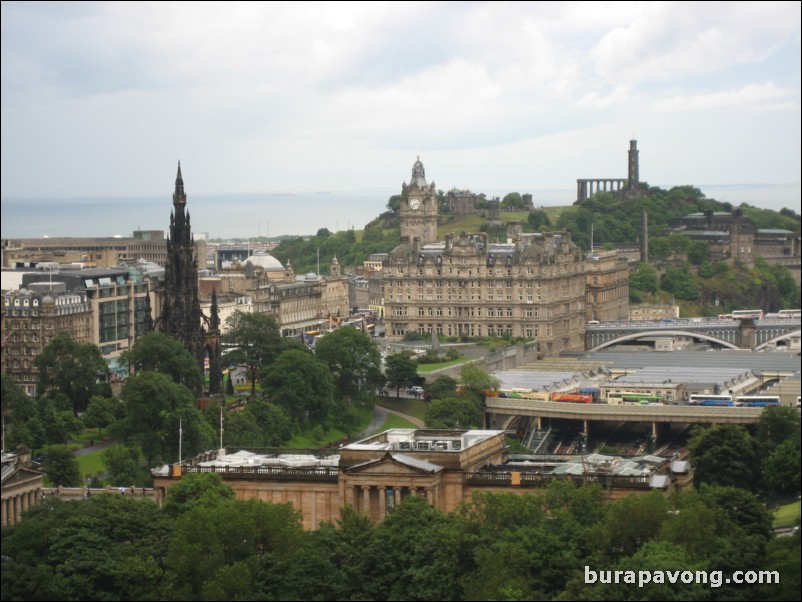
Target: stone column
pixel 15 510
pixel 382 502
pixel 3 517
pixel 429 496
pixel 23 503
pixel 397 492
pixel 366 499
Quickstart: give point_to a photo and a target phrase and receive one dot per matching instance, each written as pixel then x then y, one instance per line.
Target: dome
pixel 48 300
pixel 418 174
pixel 265 261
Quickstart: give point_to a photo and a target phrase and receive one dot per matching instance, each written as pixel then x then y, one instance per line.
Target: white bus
pixel 757 401
pixel 752 314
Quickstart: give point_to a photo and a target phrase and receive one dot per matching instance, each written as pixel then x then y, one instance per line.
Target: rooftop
pixel 411 440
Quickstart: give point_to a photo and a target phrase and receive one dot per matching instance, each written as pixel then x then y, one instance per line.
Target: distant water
pixel 272 214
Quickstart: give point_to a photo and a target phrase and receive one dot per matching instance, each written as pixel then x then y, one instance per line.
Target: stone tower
pixel 633 177
pixel 418 210
pixel 181 316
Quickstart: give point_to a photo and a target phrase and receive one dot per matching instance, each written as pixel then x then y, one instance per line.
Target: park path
pixel 83 451
pixel 380 414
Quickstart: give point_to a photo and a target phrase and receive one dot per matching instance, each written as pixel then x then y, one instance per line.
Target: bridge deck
pixel 624 413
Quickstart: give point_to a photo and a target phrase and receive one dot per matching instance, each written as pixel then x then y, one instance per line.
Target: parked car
pixel 416 390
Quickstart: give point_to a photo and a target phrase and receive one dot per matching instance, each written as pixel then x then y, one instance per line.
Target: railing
pixel 275 452
pixel 269 473
pixel 533 479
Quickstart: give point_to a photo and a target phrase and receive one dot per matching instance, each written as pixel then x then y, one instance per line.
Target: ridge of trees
pixel 206 545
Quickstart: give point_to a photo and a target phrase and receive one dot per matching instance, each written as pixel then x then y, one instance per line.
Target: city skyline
pixel 101 100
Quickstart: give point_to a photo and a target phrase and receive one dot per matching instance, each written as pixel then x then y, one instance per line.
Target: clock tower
pixel 418 211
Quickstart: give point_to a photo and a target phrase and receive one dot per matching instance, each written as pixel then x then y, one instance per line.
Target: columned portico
pixel 22 489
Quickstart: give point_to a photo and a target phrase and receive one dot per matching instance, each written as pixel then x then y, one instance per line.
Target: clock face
pixel 414 204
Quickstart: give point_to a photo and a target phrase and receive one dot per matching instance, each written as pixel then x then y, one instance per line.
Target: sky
pixel 102 99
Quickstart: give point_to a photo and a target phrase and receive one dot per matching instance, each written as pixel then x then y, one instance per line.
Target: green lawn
pixel 396 422
pixel 426 368
pixel 90 435
pixel 413 407
pixel 91 464
pixel 787 515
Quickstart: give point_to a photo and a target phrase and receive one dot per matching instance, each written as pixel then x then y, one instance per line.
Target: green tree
pixel 698 253
pixel 197 490
pixel 61 466
pixel 101 413
pixel 679 243
pixel 659 247
pixel 725 455
pixel 250 536
pixel 275 423
pixel 512 201
pixel 400 371
pixel 301 384
pixel 56 420
pixel 158 352
pixel 411 555
pixel 538 219
pixel 72 368
pixel 634 520
pixel 782 555
pixel 323 233
pixel 109 547
pixel 158 414
pixel 354 361
pixel 680 283
pixel 256 340
pixel 442 387
pixel 17 410
pixel 478 382
pixel 781 468
pixel 454 412
pixel 644 278
pixel 777 425
pixel 124 466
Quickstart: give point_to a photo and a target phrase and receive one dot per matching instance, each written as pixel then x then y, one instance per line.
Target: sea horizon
pixel 277 213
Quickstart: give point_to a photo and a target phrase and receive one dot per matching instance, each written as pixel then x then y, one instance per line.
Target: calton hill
pixel 680 269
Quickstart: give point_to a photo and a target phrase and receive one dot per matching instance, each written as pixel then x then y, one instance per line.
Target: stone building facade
pixel 461 202
pixel 122 301
pixel 31 318
pixel 533 287
pixel 374 475
pixel 607 286
pixel 21 487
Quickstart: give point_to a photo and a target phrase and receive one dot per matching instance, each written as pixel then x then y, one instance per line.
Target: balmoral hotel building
pixel 533 286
